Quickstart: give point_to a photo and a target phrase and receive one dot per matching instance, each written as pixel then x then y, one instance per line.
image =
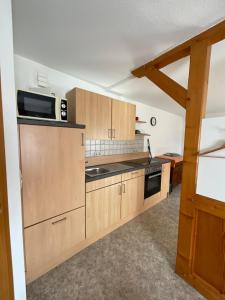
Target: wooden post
pixel 201 238
pixel 195 111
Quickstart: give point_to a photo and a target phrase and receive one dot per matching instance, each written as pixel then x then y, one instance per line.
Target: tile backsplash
pixel 106 147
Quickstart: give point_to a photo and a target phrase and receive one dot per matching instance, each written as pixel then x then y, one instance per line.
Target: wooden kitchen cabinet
pixel 105 118
pixel 47 242
pixel 123 120
pixel 93 110
pixel 53 171
pixel 102 209
pixel 165 181
pixel 132 196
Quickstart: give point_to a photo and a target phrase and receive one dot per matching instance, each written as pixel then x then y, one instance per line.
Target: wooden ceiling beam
pixel 168 85
pixel 212 35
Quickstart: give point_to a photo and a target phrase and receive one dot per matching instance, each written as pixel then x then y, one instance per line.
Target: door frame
pixel 201 231
pixel 6 276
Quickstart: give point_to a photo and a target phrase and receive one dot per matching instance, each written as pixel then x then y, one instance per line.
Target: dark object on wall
pixel 153 121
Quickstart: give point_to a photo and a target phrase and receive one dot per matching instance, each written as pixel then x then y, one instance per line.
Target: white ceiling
pixel 101 41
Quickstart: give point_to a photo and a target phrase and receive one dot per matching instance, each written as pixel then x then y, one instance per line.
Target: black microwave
pixel 39 106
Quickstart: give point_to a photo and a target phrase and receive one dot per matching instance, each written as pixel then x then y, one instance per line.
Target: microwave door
pixel 36 106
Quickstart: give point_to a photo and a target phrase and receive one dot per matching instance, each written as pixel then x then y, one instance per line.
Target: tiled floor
pixel 135 262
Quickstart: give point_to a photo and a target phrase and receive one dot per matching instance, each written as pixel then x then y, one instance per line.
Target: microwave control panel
pixel 63 110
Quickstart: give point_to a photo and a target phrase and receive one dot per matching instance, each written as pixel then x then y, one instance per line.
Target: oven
pixel 153 177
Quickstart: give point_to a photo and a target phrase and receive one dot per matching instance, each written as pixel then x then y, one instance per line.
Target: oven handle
pixel 156 175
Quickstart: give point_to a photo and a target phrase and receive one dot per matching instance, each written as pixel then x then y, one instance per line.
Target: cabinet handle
pixel 124 188
pixel 109 133
pixel 58 221
pixel 82 139
pixel 113 133
pixel 120 189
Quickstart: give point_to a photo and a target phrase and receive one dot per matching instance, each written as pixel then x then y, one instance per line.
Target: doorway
pixel 6 281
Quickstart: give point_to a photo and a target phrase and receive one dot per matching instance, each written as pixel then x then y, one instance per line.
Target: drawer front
pixel 48 240
pixel 133 174
pixel 98 184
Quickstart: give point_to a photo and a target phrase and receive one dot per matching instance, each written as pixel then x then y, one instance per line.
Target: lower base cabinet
pixel 107 206
pixel 102 209
pixel 47 241
pixel 132 196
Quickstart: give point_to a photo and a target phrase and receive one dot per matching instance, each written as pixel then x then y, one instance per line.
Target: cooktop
pixel 171 154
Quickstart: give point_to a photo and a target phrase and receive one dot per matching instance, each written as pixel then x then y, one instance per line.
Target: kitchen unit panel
pixel 102 209
pixel 123 120
pixel 93 110
pixel 132 196
pixel 165 181
pixel 47 241
pixel 53 171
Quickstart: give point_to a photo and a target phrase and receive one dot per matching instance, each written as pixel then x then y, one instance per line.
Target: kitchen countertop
pixel 135 166
pixel 49 123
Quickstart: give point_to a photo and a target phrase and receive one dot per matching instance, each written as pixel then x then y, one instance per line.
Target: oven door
pixel 36 106
pixel 152 184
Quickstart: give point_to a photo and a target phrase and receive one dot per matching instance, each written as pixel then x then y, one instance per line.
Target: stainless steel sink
pixel 92 172
pixel 110 168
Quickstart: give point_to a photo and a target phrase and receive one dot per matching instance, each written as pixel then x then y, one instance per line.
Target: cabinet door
pixel 102 209
pixel 48 241
pixel 53 166
pixel 132 196
pixel 165 181
pixel 94 111
pixel 123 120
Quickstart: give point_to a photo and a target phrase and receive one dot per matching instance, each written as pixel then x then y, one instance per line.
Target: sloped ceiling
pixel 102 41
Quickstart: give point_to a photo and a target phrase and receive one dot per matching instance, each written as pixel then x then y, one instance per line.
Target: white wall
pixel 167 136
pixel 11 147
pixel 211 172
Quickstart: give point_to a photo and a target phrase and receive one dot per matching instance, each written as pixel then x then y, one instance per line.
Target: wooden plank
pixel 211 150
pixel 209 257
pixel 209 205
pixel 6 280
pixel 210 36
pixel 168 85
pixel 197 94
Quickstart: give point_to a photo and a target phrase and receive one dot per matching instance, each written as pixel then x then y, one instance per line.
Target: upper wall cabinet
pixel 123 120
pixel 93 110
pixel 104 118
